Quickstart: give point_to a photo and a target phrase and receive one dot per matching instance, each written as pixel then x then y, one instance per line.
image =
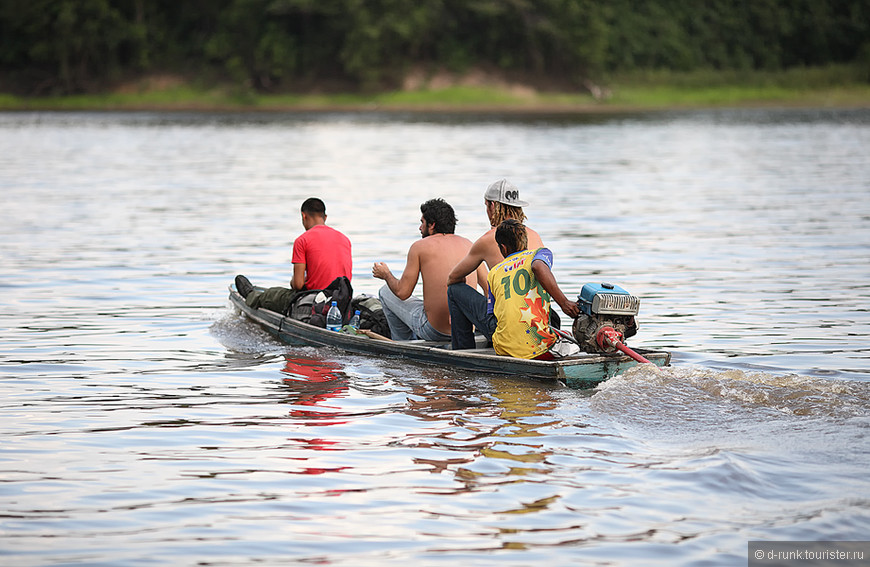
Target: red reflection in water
pixel 311 370
pixel 315 382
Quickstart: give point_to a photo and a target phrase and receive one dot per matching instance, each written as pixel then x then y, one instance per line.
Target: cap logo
pixel 503 191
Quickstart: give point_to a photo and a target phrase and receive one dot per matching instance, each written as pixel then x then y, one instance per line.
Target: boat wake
pixel 787 394
pixel 240 335
pixel 754 438
pixel 676 402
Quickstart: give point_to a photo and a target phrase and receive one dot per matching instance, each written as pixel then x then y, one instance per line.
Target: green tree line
pixel 72 46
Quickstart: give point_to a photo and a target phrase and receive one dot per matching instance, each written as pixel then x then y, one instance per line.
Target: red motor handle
pixel 608 336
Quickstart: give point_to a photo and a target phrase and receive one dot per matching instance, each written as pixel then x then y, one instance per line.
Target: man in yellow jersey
pixel 520 289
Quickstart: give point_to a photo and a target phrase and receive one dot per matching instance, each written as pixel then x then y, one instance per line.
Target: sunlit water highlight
pixel 144 422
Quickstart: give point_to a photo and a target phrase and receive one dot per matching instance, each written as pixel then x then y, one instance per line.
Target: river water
pixel 143 422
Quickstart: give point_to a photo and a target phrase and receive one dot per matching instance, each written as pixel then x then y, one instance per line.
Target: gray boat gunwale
pixel 583 371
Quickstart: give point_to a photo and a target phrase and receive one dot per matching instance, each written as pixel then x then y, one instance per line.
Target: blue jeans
pixel 468 310
pixel 407 319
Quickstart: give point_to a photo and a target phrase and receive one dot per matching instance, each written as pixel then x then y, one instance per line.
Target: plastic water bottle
pixel 354 321
pixel 333 318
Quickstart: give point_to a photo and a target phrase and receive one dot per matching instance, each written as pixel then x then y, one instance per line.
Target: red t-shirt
pixel 326 254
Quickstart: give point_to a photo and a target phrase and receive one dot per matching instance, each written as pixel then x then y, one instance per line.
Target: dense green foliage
pixel 69 46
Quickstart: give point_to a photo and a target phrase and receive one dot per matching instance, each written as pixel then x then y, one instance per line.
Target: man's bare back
pixel 432 258
pixel 438 254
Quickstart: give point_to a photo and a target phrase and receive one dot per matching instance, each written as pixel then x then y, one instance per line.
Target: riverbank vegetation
pixel 549 54
pixel 642 91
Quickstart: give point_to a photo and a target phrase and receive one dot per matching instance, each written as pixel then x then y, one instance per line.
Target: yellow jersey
pixel 521 306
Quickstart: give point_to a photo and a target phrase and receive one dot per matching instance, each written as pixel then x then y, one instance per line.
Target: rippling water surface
pixel 144 422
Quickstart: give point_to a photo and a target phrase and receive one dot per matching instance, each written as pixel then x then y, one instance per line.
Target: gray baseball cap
pixel 505 192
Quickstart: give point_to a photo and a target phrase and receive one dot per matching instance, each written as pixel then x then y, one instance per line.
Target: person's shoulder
pixel 458 244
pixel 543 253
pixel 534 234
pixel 440 244
pixel 460 238
pixel 326 228
pixel 343 235
pixel 430 243
pixel 485 239
pixel 420 246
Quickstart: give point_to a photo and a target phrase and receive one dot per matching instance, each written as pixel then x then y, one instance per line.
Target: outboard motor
pixel 607 317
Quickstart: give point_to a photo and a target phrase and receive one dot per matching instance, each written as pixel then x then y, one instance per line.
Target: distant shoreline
pixel 490 109
pixel 631 95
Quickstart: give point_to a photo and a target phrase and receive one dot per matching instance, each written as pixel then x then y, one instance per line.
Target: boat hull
pixel 582 371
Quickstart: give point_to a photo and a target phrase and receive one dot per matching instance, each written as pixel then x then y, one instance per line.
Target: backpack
pixel 371 314
pixel 339 291
pixel 302 305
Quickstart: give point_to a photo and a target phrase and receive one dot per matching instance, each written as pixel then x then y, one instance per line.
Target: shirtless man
pixel 431 257
pixel 466 305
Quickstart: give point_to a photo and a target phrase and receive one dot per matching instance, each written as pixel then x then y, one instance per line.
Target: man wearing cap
pixel 468 307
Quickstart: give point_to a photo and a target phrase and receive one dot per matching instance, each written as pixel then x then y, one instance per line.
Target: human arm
pixel 298 259
pixel 482 279
pixel 298 281
pixel 403 286
pixel 545 277
pixel 471 262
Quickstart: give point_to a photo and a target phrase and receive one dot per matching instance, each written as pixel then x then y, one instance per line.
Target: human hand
pixel 380 270
pixel 571 309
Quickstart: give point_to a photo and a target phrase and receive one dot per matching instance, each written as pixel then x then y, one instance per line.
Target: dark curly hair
pixel 438 211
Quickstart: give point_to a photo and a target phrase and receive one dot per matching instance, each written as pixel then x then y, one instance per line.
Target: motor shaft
pixel 609 337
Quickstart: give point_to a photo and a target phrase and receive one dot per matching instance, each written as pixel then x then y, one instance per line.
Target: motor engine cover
pixel 607 299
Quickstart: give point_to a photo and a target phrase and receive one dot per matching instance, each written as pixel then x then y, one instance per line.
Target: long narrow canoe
pixel 580 371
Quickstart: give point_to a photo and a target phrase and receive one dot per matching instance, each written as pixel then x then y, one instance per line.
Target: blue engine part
pixel 607 299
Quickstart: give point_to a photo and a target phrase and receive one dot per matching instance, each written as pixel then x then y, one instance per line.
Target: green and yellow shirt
pixel 521 306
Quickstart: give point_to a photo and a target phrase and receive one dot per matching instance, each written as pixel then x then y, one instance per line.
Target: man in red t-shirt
pixel 321 253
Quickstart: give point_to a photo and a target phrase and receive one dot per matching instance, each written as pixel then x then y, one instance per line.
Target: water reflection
pixel 314 382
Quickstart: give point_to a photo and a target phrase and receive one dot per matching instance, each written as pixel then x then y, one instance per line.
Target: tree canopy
pixel 70 46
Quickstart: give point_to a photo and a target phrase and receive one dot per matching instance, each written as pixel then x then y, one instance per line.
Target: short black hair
pixel 511 234
pixel 314 206
pixel 438 211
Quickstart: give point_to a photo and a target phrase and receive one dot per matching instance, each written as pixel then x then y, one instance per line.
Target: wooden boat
pixel 580 371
